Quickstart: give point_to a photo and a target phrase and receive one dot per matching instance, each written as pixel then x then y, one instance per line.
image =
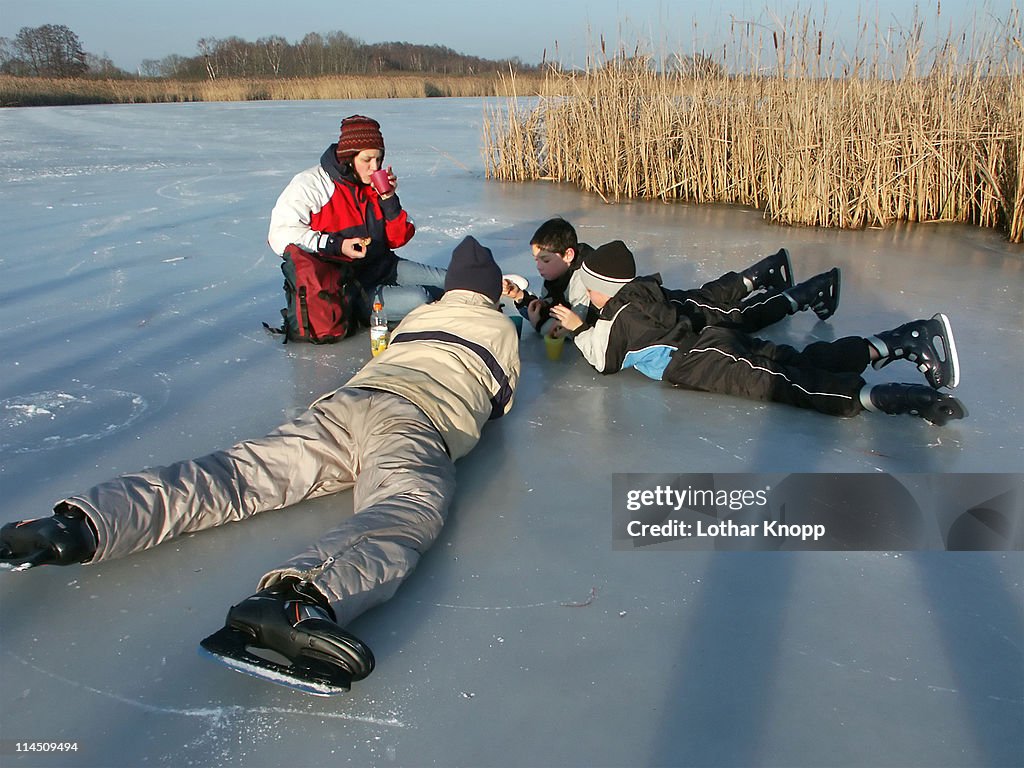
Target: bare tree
pixel 698 65
pixel 51 50
pixel 8 57
pixel 207 49
pixel 151 68
pixel 273 48
pixel 235 55
pixel 311 55
pixel 103 66
pixel 344 53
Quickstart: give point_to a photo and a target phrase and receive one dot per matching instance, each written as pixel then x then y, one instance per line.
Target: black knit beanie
pixel 609 268
pixel 472 268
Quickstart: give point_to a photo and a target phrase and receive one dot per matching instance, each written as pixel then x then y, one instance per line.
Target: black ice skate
pixel 926 343
pixel 319 657
pixel 820 293
pixel 64 538
pixel 916 400
pixel 773 273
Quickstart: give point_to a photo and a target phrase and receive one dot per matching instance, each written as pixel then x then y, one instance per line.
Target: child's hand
pixel 566 318
pixel 534 310
pixel 513 291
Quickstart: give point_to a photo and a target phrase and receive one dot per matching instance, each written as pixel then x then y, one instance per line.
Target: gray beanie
pixel 472 268
pixel 609 268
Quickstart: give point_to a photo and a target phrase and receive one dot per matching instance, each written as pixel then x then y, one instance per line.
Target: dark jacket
pixel 567 289
pixel 638 328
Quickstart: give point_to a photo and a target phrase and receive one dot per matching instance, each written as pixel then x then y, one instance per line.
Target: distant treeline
pixel 318 55
pixel 53 50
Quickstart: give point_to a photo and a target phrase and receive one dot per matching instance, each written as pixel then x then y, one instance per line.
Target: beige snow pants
pixel 379 444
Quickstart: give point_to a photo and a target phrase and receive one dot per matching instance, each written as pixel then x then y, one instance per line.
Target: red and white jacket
pixel 327 200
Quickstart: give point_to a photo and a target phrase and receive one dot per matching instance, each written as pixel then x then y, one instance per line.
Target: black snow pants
pixel 824 376
pixel 724 302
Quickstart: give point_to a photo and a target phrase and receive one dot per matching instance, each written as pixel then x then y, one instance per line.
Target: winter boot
pixel 292 620
pixel 774 273
pixel 915 399
pixel 62 539
pixel 820 293
pixel 926 343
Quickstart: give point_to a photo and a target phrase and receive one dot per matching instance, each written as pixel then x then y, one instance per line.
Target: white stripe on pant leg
pixel 773 373
pixel 737 310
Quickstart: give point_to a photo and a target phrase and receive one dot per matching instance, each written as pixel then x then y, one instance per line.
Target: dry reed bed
pixel 834 152
pixel 27 91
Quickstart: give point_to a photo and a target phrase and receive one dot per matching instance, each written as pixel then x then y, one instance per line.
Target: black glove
pixel 329 244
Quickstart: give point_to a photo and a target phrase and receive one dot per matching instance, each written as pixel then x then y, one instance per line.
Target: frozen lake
pixel 136 278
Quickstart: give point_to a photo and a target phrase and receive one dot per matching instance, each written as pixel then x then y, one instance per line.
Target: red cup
pixel 381 182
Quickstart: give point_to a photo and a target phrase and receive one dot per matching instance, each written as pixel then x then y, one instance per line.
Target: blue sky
pixel 129 31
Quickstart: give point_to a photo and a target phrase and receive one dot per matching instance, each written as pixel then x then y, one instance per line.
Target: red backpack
pixel 325 302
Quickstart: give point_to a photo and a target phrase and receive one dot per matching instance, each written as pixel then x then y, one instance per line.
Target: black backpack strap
pixel 282 331
pixel 304 309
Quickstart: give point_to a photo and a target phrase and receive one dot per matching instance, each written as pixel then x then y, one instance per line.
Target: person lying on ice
pixel 639 328
pixel 391 433
pixel 756 297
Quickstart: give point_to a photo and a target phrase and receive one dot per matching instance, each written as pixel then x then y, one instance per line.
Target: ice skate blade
pixel 950 359
pixel 228 646
pixel 944 411
pixel 8 565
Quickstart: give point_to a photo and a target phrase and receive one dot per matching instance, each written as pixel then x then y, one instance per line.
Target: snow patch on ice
pixel 14 175
pixel 51 419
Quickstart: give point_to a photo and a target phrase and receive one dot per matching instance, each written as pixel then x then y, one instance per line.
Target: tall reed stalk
pixel 807 137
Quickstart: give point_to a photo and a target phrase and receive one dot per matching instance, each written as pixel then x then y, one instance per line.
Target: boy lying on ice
pixel 392 434
pixel 639 327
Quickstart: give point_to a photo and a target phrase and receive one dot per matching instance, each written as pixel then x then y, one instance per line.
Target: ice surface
pixel 136 277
